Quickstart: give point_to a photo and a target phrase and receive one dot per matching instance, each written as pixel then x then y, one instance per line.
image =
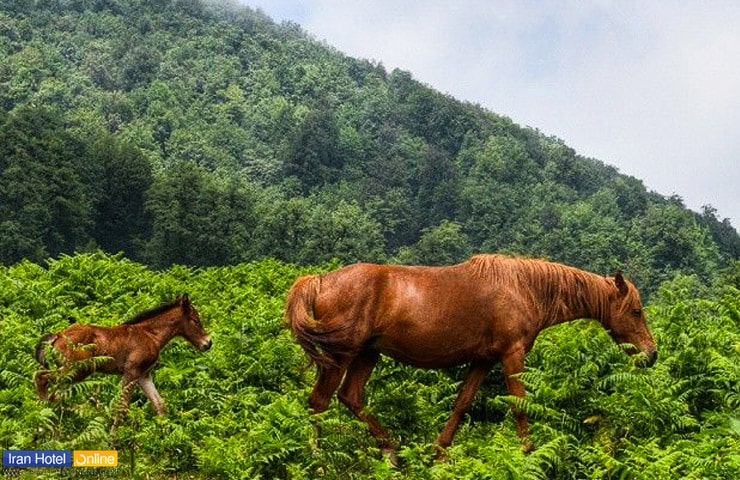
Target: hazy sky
pixel 651 87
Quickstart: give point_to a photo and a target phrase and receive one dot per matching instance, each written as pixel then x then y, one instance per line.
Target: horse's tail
pixel 40 353
pixel 323 343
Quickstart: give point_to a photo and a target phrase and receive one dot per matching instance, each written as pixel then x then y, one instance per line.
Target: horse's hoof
pixel 391 457
pixel 528 447
pixel 440 454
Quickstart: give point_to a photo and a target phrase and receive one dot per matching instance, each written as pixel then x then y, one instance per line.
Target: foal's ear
pixel 620 283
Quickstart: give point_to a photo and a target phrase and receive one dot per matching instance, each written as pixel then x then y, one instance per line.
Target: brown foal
pixel 130 349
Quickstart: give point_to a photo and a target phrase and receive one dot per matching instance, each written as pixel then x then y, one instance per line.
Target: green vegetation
pixel 204 134
pixel 240 410
pixel 140 134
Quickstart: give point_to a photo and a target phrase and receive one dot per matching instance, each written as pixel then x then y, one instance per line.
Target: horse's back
pixel 427 316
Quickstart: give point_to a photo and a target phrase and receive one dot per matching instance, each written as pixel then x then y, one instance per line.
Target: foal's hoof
pixel 528 447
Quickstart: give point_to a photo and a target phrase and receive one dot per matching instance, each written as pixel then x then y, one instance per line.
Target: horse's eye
pixel 637 312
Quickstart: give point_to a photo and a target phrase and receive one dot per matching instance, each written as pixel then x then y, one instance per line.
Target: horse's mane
pixel 555 288
pixel 152 312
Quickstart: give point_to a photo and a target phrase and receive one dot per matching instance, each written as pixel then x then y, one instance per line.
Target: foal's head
pixel 192 328
pixel 625 320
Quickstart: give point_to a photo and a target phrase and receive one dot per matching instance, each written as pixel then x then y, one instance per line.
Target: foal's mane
pixel 152 312
pixel 556 288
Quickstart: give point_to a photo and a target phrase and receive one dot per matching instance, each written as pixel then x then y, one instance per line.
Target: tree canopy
pixel 203 133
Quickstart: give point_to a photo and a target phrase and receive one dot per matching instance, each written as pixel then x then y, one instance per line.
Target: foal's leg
pixel 351 394
pixel 128 384
pixel 151 393
pixel 513 365
pixel 41 379
pixel 472 382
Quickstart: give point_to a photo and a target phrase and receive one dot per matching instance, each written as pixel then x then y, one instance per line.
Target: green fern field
pixel 240 410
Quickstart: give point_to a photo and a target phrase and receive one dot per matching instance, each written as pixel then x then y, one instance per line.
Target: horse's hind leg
pixel 513 365
pixel 351 394
pixel 326 384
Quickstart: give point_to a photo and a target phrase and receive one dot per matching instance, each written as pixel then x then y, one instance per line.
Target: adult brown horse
pixel 488 309
pixel 130 349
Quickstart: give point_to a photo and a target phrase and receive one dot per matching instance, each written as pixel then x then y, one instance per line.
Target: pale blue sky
pixel 651 87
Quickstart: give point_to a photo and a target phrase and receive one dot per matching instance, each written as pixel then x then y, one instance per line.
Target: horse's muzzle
pixel 650 358
pixel 205 346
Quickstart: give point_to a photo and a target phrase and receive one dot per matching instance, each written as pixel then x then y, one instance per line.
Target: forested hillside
pixel 197 133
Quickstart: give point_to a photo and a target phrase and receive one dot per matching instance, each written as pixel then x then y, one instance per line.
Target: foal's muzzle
pixel 205 346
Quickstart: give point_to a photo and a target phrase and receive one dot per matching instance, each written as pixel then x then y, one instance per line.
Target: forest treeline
pixel 184 132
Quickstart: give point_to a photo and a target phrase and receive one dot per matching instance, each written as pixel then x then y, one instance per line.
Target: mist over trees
pixel 185 132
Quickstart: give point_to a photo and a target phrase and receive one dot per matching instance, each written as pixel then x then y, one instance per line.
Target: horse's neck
pixel 162 327
pixel 587 300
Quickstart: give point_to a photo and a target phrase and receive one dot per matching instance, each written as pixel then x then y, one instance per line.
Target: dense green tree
pixel 438 187
pixel 444 244
pixel 284 224
pixel 397 216
pixel 496 192
pixel 314 156
pixel 46 200
pixel 676 242
pixel 589 236
pixel 197 219
pixel 123 180
pixel 722 232
pixel 343 232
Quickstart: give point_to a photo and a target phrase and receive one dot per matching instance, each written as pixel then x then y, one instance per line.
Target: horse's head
pixel 192 328
pixel 626 322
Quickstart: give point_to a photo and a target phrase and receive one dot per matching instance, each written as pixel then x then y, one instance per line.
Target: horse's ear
pixel 184 300
pixel 620 283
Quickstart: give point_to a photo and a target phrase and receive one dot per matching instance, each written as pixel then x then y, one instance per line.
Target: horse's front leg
pixel 152 394
pixel 513 365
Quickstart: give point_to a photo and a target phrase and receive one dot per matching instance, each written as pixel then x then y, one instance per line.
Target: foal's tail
pixel 40 354
pixel 323 343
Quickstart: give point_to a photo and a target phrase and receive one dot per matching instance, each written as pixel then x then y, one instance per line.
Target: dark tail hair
pixel 323 343
pixel 40 354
